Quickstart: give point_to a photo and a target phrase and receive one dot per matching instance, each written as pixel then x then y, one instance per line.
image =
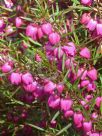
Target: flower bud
pixel 54 38
pixel 6 68
pixel 30 87
pixel 60 88
pixel 15 78
pixel 8 3
pixel 91 25
pixel 49 87
pixel 27 78
pixel 68 113
pixel 78 118
pixel 85 18
pixel 40 33
pixel 86 2
pixel 54 101
pixel 31 31
pixel 92 74
pixel 98 101
pixel 47 28
pixel 87 126
pixel 70 49
pixel 99 29
pixel 85 53
pixel 66 104
pixel 18 22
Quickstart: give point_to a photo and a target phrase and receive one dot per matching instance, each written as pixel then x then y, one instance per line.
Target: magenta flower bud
pixel 86 2
pixel 81 73
pixel 92 74
pixel 27 78
pixel 94 115
pixel 87 126
pixel 40 33
pixel 6 68
pixel 31 31
pixel 91 87
pixel 54 38
pixel 84 83
pixel 78 118
pixel 99 29
pixel 49 87
pixel 58 52
pixel 98 101
pixel 15 78
pixel 60 88
pixel 30 87
pixel 91 25
pixel 68 113
pixel 8 3
pixel 70 49
pixel 66 104
pixel 18 22
pixel 85 53
pixel 54 101
pixel 85 18
pixel 94 134
pixel 47 28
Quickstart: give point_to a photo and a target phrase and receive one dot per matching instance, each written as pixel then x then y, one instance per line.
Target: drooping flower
pixel 27 78
pixel 15 78
pixel 99 29
pixel 31 31
pixel 87 126
pixel 85 53
pixel 6 68
pixel 66 104
pixel 86 2
pixel 47 28
pixel 85 18
pixel 54 101
pixel 49 87
pixel 92 25
pixel 92 74
pixel 78 119
pixel 18 22
pixel 54 38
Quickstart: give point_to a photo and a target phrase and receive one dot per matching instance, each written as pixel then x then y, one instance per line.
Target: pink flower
pixel 85 53
pixel 78 118
pixel 91 87
pixel 99 29
pixel 66 104
pixel 49 87
pixel 54 38
pixel 54 101
pixel 92 74
pixel 15 78
pixel 47 28
pixel 86 2
pixel 81 73
pixel 8 3
pixel 87 126
pixel 31 31
pixel 58 52
pixel 27 78
pixel 94 134
pixel 70 49
pixel 1 24
pixel 68 113
pixel 94 115
pixel 40 33
pixel 92 25
pixel 30 87
pixel 60 87
pixel 84 83
pixel 18 22
pixel 6 68
pixel 98 101
pixel 85 18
